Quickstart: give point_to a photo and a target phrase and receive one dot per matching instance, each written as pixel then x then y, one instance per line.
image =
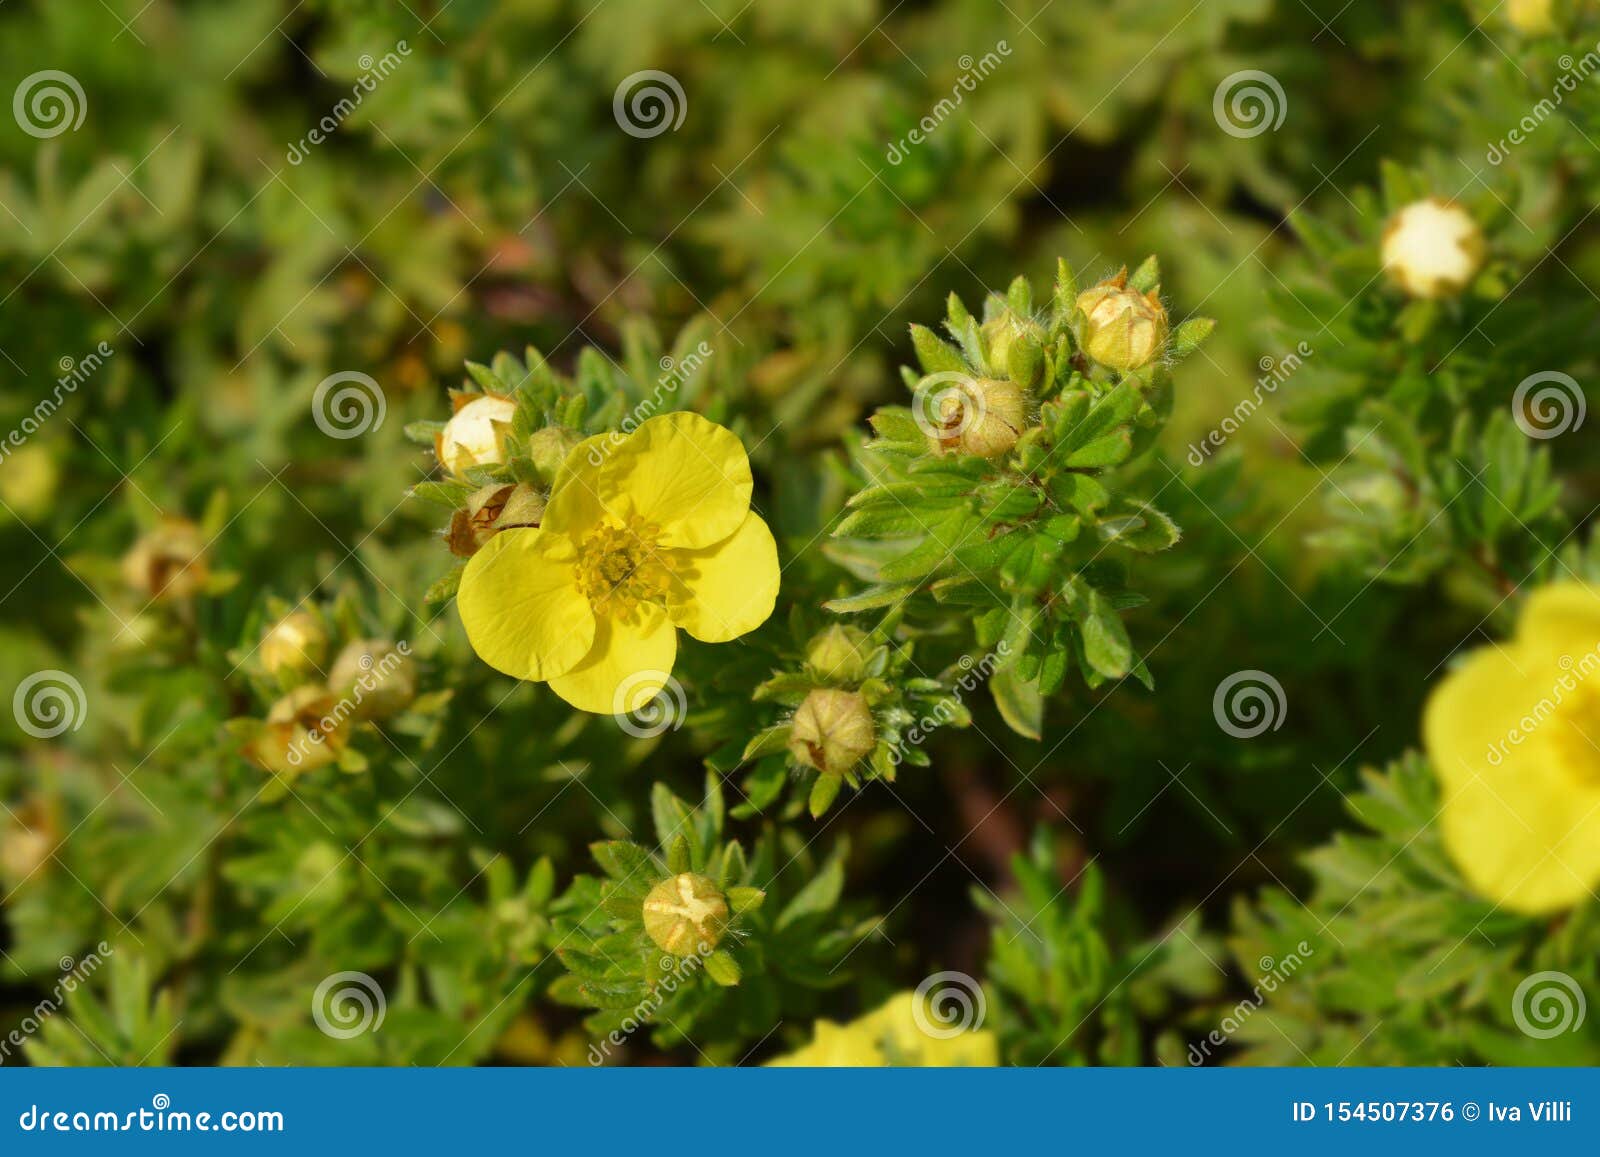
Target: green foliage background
pixel 1119 878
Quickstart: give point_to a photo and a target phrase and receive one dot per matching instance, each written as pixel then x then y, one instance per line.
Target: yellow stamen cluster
pixel 620 567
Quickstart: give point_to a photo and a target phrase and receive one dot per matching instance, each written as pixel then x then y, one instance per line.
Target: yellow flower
pixel 640 537
pixel 1514 736
pixel 1432 248
pixel 893 1035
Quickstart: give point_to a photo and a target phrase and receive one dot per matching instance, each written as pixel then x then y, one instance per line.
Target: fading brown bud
pixel 490 510
pixel 838 655
pixel 686 914
pixel 303 732
pixel 376 677
pixel 476 434
pixel 832 731
pixel 1122 328
pixel 168 562
pixel 294 645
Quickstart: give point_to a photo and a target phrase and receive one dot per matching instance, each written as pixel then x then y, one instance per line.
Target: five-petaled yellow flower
pixel 1514 736
pixel 641 536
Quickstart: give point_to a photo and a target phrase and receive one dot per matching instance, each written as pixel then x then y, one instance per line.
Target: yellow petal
pixel 520 603
pixel 687 475
pixel 723 591
pixel 1562 618
pixel 574 507
pixel 1521 816
pixel 630 662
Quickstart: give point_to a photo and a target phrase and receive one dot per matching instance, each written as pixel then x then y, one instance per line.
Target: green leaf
pixel 1019 702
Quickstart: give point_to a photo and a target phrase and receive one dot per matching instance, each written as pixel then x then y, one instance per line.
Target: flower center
pixel 1575 733
pixel 620 567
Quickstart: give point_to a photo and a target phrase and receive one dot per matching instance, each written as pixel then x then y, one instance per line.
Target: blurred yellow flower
pixel 895 1035
pixel 1514 736
pixel 641 536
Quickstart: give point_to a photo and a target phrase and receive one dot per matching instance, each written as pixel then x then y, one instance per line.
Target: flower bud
pixel 838 655
pixel 294 645
pixel 490 510
pixel 168 562
pixel 686 914
pixel 549 448
pixel 379 679
pixel 1122 328
pixel 832 731
pixel 982 416
pixel 1000 333
pixel 1431 248
pixel 1531 17
pixel 476 434
pixel 28 479
pixel 27 837
pixel 303 732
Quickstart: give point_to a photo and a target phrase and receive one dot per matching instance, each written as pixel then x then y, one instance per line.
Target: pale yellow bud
pixel 1531 17
pixel 377 678
pixel 476 434
pixel 832 731
pixel 303 731
pixel 1431 248
pixel 982 416
pixel 838 655
pixel 686 914
pixel 294 645
pixel 1123 329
